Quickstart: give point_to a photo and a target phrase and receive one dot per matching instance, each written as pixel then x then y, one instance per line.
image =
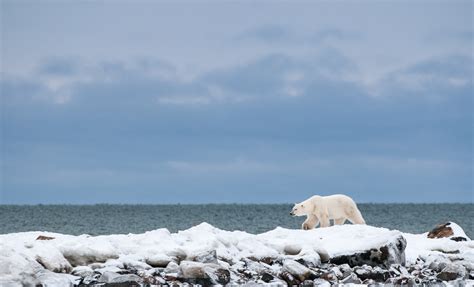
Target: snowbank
pixel 23 259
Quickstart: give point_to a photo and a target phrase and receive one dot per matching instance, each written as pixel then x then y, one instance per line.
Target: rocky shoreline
pixel 385 264
pixel 205 255
pixel 279 272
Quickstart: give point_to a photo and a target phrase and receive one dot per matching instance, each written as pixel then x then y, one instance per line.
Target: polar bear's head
pixel 300 209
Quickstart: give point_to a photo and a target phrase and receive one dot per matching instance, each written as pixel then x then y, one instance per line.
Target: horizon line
pixel 208 203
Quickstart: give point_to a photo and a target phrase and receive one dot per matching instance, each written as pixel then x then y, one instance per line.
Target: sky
pixel 236 101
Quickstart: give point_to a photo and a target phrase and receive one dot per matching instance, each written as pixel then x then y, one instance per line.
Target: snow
pixel 23 258
pixel 457 231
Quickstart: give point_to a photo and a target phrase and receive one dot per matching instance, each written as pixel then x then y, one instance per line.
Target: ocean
pixel 254 218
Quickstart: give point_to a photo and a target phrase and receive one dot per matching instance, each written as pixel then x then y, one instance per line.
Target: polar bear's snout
pixel 298 210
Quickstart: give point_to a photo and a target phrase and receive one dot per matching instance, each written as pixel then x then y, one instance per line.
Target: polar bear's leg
pixel 339 221
pixel 324 220
pixel 310 222
pixel 355 217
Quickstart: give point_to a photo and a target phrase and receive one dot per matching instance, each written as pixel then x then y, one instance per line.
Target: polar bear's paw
pixel 306 226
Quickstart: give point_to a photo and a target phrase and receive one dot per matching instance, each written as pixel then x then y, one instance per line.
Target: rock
pixel 298 270
pixel 107 276
pixel 112 277
pixel 206 257
pixel 307 283
pixel 441 230
pixel 47 278
pixel 367 272
pixel 105 269
pixel 292 249
pixel 323 254
pixel 51 258
pixel 172 267
pixel 458 238
pixel 158 260
pixel 452 272
pixel 91 279
pixel 362 271
pixel 321 283
pixel 399 270
pixel 329 276
pixel 204 273
pixel 310 257
pixel 345 269
pixel 267 277
pixel 289 278
pixel 436 262
pixel 337 272
pixel 219 276
pixel 392 252
pixel 44 237
pixel 178 254
pixel 351 279
pixel 191 269
pixel 309 261
pixel 448 230
pixel 82 271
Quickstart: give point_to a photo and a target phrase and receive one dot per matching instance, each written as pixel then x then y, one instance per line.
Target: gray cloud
pixel 115 134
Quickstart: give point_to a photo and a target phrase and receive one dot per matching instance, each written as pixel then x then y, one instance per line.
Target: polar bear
pixel 317 208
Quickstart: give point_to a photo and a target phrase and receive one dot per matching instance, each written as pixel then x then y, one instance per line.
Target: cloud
pixel 332 34
pixel 58 66
pixel 436 77
pixel 277 123
pixel 284 36
pixel 267 33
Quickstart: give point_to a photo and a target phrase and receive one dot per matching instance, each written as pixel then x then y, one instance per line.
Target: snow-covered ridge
pixel 24 259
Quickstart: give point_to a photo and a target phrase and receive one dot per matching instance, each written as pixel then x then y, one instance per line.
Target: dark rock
pixel 452 272
pixel 267 277
pixel 288 278
pixel 220 276
pixel 44 237
pixel 393 252
pixel 458 238
pixel 367 272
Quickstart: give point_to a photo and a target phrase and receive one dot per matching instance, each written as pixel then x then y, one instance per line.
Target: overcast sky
pixel 236 101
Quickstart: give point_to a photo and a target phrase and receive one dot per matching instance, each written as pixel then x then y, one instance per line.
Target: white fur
pixel 321 209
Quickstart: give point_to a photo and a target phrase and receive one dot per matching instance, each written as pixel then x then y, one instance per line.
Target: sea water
pixel 253 218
